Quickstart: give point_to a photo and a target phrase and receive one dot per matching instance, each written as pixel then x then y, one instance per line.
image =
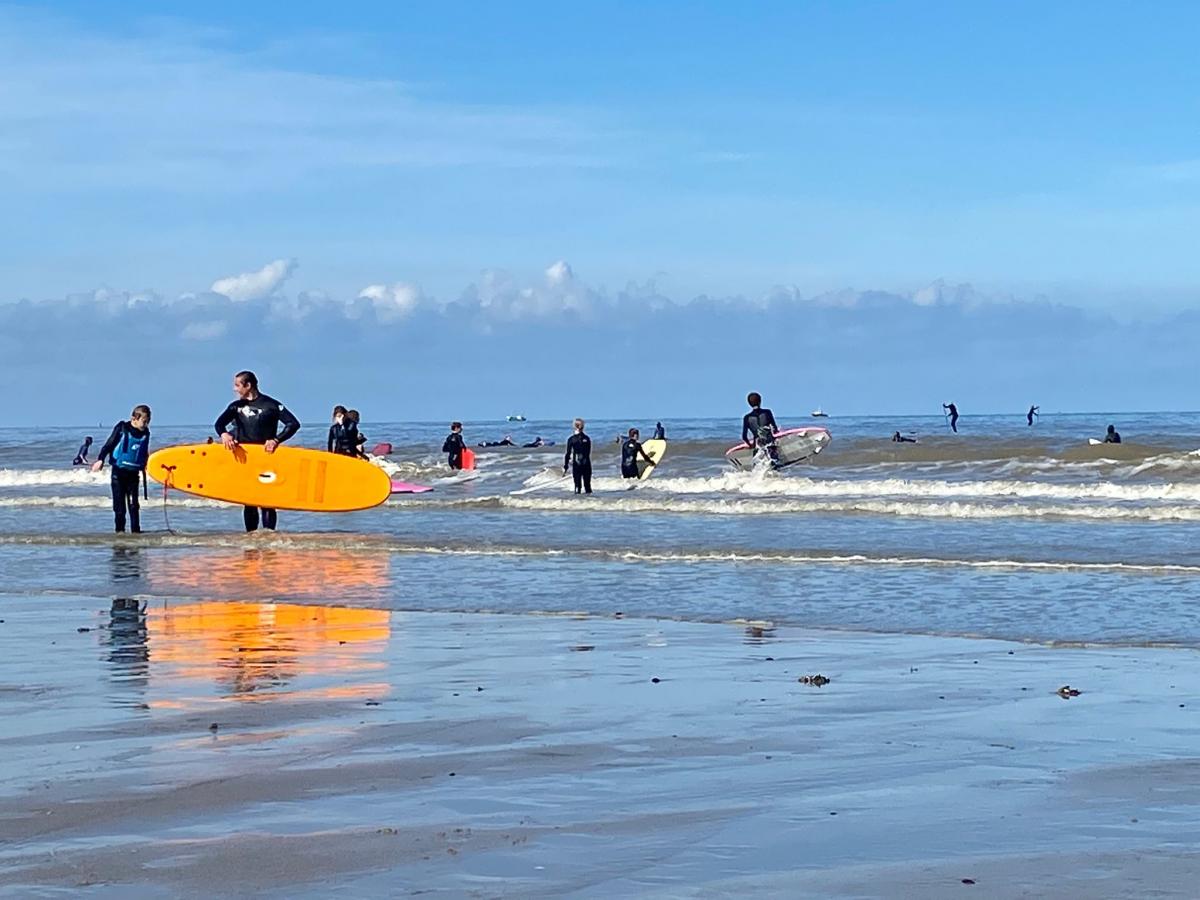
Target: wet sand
pixel 383 754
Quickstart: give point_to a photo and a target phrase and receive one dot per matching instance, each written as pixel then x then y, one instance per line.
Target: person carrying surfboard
pixel 759 426
pixel 127 448
pixel 630 450
pixel 579 458
pixel 255 419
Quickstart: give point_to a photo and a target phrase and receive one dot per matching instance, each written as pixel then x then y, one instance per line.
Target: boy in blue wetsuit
pixel 128 449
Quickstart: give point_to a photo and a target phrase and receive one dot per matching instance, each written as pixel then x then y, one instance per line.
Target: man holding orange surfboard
pixel 255 418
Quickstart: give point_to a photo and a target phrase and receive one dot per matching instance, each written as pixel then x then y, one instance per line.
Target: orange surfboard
pixel 289 478
pixel 468 459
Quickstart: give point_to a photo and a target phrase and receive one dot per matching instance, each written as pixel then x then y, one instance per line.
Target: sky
pixel 606 209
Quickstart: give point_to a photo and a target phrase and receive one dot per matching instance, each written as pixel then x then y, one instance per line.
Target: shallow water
pixel 1002 530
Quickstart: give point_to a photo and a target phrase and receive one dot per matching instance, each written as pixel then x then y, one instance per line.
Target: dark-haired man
pixel 255 418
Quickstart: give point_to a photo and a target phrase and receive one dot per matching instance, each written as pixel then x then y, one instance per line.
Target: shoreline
pixel 573 771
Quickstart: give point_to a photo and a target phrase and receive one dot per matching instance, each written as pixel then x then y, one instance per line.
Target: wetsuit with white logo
pixel 256 422
pixel 579 458
pixel 630 450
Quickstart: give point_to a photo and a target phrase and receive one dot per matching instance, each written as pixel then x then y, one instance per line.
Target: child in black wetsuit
pixel 631 448
pixel 128 449
pixel 453 446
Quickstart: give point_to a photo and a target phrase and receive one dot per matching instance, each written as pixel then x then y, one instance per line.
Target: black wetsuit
pixel 630 451
pixel 81 457
pixel 898 438
pixel 953 410
pixel 1033 410
pixel 453 448
pixel 579 458
pixel 758 429
pixel 660 433
pixel 342 437
pixel 126 483
pixel 256 422
pixel 1112 437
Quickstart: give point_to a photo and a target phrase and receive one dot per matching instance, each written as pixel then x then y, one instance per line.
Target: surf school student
pixel 336 442
pixel 453 446
pixel 1033 411
pixel 579 458
pixel 127 448
pixel 255 418
pixel 953 411
pixel 758 425
pixel 81 457
pixel 1112 437
pixel 660 433
pixel 536 442
pixel 630 450
pixel 898 438
pixel 355 440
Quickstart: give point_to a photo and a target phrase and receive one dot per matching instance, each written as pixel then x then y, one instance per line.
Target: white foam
pixel 51 477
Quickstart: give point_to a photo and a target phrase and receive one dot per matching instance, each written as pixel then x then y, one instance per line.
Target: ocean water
pixel 1001 530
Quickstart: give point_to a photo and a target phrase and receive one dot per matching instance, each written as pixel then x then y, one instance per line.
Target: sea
pixel 1002 530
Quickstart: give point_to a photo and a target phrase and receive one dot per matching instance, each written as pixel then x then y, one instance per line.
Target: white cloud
pixel 392 301
pixel 256 285
pixel 204 331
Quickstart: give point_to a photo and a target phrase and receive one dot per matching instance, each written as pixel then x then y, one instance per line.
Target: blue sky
pixel 407 158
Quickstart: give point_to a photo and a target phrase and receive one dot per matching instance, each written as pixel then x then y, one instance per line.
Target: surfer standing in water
pixel 453 446
pixel 952 411
pixel 631 448
pixel 1112 437
pixel 1033 411
pixel 81 457
pixel 579 458
pixel 759 426
pixel 255 418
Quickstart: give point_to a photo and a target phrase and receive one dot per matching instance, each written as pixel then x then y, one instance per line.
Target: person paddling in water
pixel 256 419
pixel 1033 411
pixel 952 412
pixel 759 427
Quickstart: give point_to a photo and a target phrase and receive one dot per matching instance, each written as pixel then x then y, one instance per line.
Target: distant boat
pixel 819 413
pixel 517 418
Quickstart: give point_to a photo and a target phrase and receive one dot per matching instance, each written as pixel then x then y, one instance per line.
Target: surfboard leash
pixel 166 486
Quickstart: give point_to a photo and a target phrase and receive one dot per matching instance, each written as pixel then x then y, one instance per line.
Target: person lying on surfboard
pixel 630 450
pixel 759 426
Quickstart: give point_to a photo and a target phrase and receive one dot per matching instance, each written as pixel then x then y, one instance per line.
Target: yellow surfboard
pixel 289 478
pixel 655 449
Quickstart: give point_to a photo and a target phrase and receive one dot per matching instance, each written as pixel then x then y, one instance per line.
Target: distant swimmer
pixel 1112 437
pixel 759 426
pixel 453 446
pixel 631 449
pixel 1033 411
pixel 898 438
pixel 952 411
pixel 579 458
pixel 506 442
pixel 128 449
pixel 255 419
pixel 81 457
pixel 660 433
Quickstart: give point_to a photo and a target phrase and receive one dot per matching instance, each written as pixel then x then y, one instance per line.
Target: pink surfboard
pixel 404 487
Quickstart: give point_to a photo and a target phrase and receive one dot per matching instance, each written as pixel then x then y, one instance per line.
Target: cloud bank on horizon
pixel 558 346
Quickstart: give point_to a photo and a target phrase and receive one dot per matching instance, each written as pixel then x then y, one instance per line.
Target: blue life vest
pixel 133 449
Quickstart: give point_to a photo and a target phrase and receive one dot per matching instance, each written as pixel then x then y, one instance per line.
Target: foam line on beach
pixel 355 543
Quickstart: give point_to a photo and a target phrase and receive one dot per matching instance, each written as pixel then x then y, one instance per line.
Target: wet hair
pixel 352 415
pixel 248 378
pixel 633 432
pixel 339 410
pixel 141 411
pixel 457 425
pixel 579 423
pixel 754 398
pixel 88 439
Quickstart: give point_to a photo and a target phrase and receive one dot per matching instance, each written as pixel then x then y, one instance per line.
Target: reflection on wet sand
pixel 267 572
pixel 252 649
